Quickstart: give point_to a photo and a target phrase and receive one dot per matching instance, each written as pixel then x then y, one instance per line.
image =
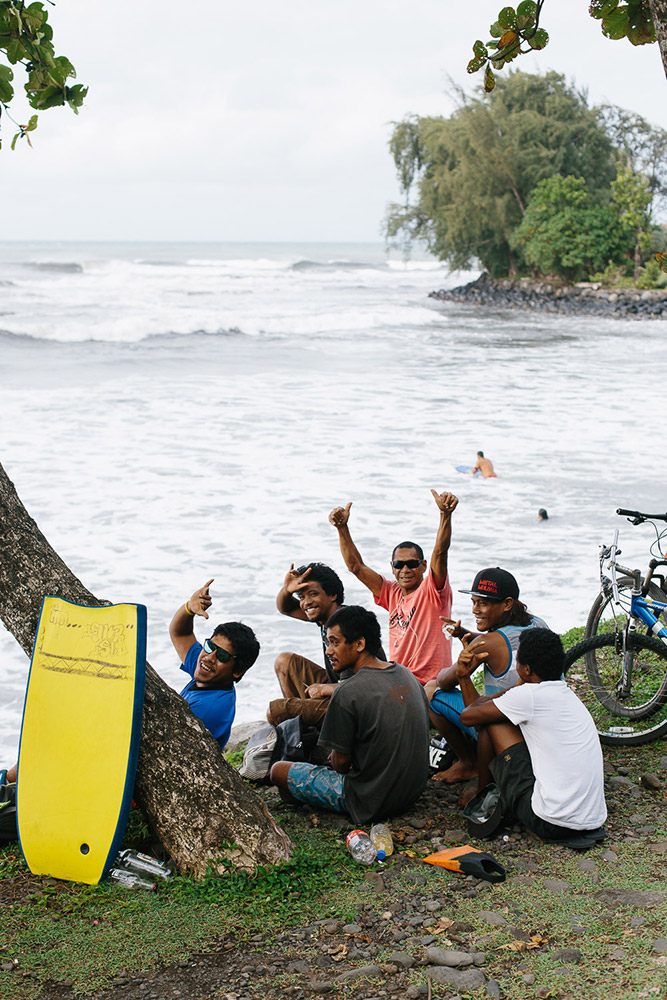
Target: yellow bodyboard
pixel 80 737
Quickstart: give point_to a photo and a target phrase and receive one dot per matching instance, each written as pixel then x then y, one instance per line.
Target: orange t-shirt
pixel 415 630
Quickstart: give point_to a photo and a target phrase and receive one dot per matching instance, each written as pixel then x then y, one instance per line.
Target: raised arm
pixel 339 517
pixel 286 601
pixel 181 630
pixel 446 503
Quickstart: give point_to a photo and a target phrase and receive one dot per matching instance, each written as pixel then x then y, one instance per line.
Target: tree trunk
pixel 659 14
pixel 196 803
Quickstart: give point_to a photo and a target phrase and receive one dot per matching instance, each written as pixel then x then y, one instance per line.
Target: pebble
pixel 367 971
pixel 566 955
pixel 403 959
pixel 352 929
pixel 586 865
pixel 618 952
pixel 321 987
pixel 619 781
pixel 637 921
pixel 662 764
pixel 609 855
pixel 651 781
pixel 528 978
pixel 493 989
pixel 631 897
pixel 623 770
pixel 660 848
pixel 660 946
pixel 557 885
pixel 466 980
pixel 495 919
pixel 454 959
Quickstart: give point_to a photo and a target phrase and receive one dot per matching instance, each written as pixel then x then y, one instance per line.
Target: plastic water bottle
pixel 360 846
pixel 144 865
pixel 130 880
pixel 381 839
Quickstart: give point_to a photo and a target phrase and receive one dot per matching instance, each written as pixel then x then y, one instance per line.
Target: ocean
pixel 173 412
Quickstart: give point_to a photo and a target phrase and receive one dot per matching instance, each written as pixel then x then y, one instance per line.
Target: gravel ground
pixel 407 941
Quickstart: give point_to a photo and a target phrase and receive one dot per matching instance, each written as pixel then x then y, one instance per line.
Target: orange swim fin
pixel 469 861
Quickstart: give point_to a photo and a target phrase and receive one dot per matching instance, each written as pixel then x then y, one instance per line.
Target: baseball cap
pixel 494 583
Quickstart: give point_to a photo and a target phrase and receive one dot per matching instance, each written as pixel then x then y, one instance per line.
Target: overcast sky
pixel 265 120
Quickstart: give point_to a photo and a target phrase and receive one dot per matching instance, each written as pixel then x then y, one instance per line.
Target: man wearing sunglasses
pixel 215 667
pixel 417 596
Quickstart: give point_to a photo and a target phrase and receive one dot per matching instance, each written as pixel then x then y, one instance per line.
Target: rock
pixel 618 953
pixel 364 971
pixel 659 848
pixel 651 781
pixel 440 956
pixel 493 989
pixel 432 905
pixel 321 987
pixel 637 921
pixel 456 835
pixel 518 934
pixel 402 959
pixel 416 878
pixel 461 927
pixel 557 885
pixel 465 981
pixel 352 929
pixel 567 955
pixel 586 865
pixel 412 993
pixel 609 855
pixel 528 978
pixel 241 733
pixel 660 946
pixel 638 898
pixel 623 770
pixel 302 967
pixel 375 880
pixel 479 958
pixel 495 919
pixel 619 781
pixel 662 763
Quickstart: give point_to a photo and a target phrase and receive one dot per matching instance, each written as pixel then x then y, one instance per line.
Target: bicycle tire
pixel 593 667
pixel 601 616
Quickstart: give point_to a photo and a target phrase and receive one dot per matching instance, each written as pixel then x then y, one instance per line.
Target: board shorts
pixel 317 786
pixel 450 704
pixel 513 773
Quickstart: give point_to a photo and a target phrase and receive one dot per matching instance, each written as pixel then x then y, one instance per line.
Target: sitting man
pixel 416 598
pixel 376 724
pixel 539 742
pixel 310 593
pixel 214 667
pixel 499 613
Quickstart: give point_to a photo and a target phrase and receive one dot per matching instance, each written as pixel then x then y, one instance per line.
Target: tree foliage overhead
pixel 474 171
pixel 517 31
pixel 26 40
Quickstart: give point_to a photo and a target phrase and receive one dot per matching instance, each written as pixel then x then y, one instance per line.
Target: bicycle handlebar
pixel 638 517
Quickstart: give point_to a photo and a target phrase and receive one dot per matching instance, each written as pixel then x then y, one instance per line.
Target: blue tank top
pixel 493 683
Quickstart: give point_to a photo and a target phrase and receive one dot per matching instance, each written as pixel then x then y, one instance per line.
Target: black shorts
pixel 513 773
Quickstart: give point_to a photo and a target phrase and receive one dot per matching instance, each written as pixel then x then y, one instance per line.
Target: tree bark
pixel 659 14
pixel 197 804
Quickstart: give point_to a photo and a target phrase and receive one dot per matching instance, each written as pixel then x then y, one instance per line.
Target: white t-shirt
pixel 564 750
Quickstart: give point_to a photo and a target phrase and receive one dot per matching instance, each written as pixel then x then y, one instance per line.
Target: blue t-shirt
pixel 216 707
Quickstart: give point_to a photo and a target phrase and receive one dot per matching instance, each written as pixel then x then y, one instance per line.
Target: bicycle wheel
pixel 594 667
pixel 606 616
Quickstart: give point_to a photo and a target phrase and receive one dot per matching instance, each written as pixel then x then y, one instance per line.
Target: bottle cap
pixel 382 855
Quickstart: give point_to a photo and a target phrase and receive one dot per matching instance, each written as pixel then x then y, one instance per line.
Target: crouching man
pixel 376 724
pixel 539 742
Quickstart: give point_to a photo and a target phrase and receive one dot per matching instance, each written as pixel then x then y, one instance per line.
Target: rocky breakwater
pixel 586 297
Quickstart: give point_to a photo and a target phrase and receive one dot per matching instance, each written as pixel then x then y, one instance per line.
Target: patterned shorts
pixel 317 786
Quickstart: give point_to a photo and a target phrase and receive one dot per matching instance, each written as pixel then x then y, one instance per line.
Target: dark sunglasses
pixel 410 563
pixel 222 654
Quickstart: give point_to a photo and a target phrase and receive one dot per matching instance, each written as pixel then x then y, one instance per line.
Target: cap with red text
pixel 495 584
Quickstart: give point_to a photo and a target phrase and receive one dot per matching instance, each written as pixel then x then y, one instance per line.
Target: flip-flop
pixel 588 838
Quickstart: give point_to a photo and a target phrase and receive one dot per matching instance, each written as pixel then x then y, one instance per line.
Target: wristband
pixel 187 608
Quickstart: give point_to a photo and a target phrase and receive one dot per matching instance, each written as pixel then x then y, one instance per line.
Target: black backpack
pixel 8 828
pixel 289 740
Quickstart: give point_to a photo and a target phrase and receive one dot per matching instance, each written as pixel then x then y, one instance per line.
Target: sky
pixel 263 120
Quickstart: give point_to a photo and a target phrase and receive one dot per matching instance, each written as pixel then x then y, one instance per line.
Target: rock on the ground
pixel 464 980
pixel 631 897
pixel 440 956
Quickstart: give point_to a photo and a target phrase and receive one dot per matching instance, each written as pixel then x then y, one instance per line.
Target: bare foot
pixel 459 771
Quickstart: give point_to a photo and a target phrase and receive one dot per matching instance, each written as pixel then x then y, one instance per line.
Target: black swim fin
pixel 469 861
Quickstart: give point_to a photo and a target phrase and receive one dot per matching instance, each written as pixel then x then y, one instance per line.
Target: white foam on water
pixel 154 463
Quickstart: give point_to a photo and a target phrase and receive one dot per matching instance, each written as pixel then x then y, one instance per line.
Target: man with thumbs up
pixel 215 667
pixel 416 597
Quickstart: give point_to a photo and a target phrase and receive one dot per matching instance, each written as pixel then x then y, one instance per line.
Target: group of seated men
pixel 528 732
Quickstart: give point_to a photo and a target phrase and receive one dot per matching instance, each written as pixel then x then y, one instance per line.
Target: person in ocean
pixel 416 597
pixel 483 465
pixel 503 618
pixel 214 667
pixel 542 514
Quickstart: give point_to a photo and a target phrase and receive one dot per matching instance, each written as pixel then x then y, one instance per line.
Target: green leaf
pixel 15 50
pixel 6 89
pixel 616 24
pixel 539 39
pixel 523 22
pixel 32 124
pixel 527 9
pixel 641 30
pixel 496 30
pixel 14 140
pixel 75 96
pixel 49 97
pixel 602 8
pixel 507 17
pixel 489 80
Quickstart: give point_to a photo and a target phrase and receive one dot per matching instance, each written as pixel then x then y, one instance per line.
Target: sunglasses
pixel 410 563
pixel 222 654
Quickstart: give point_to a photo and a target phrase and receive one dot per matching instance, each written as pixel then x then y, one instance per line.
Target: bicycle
pixel 619 608
pixel 620 672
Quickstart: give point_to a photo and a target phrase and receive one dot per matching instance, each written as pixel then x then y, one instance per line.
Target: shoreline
pixel 588 298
